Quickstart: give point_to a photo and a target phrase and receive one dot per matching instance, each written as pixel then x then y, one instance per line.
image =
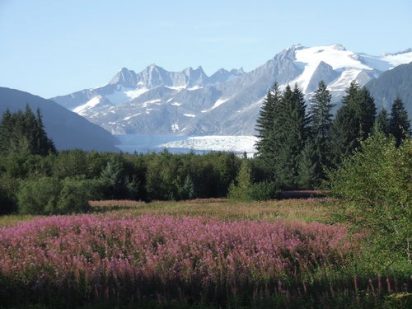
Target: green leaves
pixel 376 182
pixel 354 121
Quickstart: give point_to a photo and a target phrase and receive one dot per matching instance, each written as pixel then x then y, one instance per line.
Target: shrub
pixel 48 195
pixel 39 196
pixel 245 190
pixel 239 189
pixel 377 183
pixel 75 195
pixel 8 188
pixel 262 191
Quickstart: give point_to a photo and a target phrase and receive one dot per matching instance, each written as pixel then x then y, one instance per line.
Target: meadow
pixel 294 253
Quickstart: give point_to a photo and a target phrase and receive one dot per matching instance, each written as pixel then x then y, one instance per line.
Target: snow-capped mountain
pixel 156 101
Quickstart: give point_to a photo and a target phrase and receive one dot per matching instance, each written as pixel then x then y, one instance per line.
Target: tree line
pixel 35 178
pixel 298 145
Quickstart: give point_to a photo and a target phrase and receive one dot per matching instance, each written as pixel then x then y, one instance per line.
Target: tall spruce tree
pixel 264 123
pixel 265 126
pixel 399 125
pixel 290 135
pixel 316 156
pixel 382 123
pixel 353 122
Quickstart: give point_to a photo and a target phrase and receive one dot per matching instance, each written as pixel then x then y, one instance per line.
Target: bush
pixel 262 191
pixel 377 183
pixel 75 195
pixel 39 196
pixel 244 189
pixel 48 195
pixel 8 189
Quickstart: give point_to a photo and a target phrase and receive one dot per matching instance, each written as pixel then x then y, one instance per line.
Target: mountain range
pixel 392 84
pixel 67 129
pixel 159 102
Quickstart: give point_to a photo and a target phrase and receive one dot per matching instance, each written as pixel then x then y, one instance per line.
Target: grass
pixel 307 210
pixel 9 220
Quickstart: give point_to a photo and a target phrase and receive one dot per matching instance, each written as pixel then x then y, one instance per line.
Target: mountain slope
pixel 391 84
pixel 156 101
pixel 67 129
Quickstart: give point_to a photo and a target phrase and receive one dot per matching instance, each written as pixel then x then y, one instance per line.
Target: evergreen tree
pixel 291 131
pixel 43 143
pixel 399 125
pixel 23 132
pixel 265 126
pixel 239 190
pixel 316 156
pixel 309 169
pixel 382 123
pixel 113 179
pixel 188 190
pixel 353 122
pixel 5 131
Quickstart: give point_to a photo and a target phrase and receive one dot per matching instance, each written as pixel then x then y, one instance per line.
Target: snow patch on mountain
pixel 399 58
pixel 219 102
pixel 335 56
pixel 83 109
pixel 157 101
pixel 124 95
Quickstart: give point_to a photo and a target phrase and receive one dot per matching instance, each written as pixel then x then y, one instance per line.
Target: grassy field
pixel 209 253
pixel 307 210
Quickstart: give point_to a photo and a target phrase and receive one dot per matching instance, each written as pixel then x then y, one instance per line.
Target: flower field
pixel 118 258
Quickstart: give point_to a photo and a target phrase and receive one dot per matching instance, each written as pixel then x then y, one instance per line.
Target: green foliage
pixel 39 196
pixel 23 132
pixel 353 122
pixel 71 164
pixel 265 125
pixel 8 190
pixel 178 177
pixel 310 168
pixel 49 195
pixel 114 180
pixel 263 191
pixel 239 189
pixel 316 155
pixel 399 125
pixel 188 190
pixel 291 130
pixel 243 189
pixel 382 123
pixel 75 195
pixel 377 184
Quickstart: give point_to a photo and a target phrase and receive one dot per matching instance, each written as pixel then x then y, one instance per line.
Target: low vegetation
pixel 376 184
pixel 92 257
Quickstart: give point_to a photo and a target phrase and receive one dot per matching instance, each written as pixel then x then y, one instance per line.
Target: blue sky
pixel 53 47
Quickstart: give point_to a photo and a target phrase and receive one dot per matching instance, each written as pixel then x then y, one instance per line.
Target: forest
pixel 181 230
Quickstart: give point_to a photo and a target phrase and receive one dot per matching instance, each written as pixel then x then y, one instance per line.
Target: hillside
pixel 393 83
pixel 67 129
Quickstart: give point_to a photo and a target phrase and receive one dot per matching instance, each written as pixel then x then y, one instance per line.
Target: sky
pixel 55 47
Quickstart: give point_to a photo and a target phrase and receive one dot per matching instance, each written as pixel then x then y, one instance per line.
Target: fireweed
pixel 145 256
